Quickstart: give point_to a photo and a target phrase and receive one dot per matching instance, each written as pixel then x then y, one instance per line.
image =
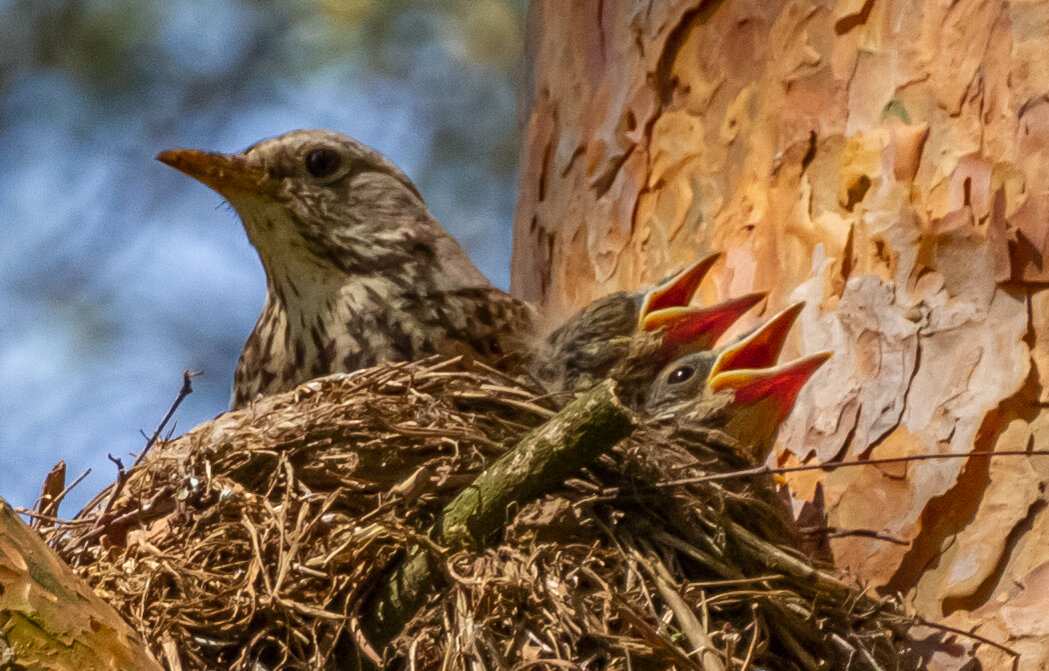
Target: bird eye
pixel 681 374
pixel 322 161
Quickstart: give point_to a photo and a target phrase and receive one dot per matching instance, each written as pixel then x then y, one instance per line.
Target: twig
pixel 136 514
pixel 918 619
pixel 53 505
pixel 55 480
pixel 537 410
pixel 835 532
pixel 753 639
pixel 97 528
pixel 186 390
pixel 690 625
pixel 834 465
pixel 692 551
pixel 775 558
pixel 117 486
pixel 62 496
pixel 32 514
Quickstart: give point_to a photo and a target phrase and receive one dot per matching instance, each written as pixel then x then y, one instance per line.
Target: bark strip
pixel 49 618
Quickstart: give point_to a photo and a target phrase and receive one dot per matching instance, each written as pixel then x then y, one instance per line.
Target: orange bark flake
pixel 888 163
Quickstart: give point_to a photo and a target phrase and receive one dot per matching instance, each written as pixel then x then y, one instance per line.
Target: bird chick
pixel 630 336
pixel 737 389
pixel 357 270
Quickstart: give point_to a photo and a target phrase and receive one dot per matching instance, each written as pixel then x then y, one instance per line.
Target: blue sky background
pixel 117 273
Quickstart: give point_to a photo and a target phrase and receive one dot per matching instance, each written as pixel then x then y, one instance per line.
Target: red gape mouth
pixel 678 290
pixel 780 383
pixel 690 328
pixel 748 368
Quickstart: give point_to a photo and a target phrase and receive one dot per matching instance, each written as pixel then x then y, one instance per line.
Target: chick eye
pixel 679 375
pixel 322 161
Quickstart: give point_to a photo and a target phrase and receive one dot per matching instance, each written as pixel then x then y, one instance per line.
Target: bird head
pixel 629 336
pixel 738 388
pixel 320 203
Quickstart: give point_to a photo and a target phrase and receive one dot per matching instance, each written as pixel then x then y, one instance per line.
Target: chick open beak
pixel 779 385
pixel 748 367
pixel 679 289
pixel 761 347
pixel 691 329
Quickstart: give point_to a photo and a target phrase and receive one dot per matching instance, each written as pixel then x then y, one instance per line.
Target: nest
pixel 270 537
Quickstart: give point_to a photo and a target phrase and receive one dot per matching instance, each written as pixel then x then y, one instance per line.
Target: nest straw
pixel 267 539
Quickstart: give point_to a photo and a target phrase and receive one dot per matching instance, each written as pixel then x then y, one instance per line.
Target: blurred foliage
pixel 116 273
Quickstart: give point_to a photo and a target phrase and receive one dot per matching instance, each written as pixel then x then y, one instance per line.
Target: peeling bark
pixel 887 162
pixel 49 618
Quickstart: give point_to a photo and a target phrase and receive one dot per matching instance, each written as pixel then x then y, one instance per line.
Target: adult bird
pixel 357 270
pixel 737 391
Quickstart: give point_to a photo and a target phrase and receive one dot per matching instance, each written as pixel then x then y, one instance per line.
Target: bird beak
pixel 679 289
pixel 747 367
pixel 691 329
pixel 762 400
pixel 779 386
pixel 225 173
pixel 761 347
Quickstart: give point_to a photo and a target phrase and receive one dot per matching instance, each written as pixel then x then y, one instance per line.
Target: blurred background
pixel 117 273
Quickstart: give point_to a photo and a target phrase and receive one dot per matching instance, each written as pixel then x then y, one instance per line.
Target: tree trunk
pixel 51 620
pixel 888 163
